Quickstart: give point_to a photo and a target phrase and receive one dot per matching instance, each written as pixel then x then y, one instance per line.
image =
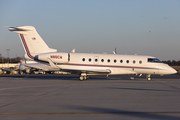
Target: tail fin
pixel 33 44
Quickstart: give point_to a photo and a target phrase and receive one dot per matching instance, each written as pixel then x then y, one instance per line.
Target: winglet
pixel 73 50
pixel 114 52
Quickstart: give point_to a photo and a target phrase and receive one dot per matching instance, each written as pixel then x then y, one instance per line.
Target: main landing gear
pixel 148 77
pixel 83 77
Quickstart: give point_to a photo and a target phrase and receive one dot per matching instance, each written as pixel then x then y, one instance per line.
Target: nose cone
pixel 167 70
pixel 172 71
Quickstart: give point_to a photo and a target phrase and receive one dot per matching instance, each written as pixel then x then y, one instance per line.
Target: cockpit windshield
pixel 154 60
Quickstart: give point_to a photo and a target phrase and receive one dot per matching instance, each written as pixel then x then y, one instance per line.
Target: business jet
pixel 86 64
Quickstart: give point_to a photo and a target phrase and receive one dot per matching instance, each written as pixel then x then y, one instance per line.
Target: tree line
pixel 10 60
pixel 172 63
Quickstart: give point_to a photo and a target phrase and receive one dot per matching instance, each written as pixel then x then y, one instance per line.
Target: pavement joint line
pixel 25 87
pixel 168 85
pixel 21 113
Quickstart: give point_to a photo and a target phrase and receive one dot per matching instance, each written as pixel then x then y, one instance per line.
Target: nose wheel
pixel 148 77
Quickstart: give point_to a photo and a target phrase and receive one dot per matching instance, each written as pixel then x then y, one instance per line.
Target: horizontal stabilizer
pixel 19 29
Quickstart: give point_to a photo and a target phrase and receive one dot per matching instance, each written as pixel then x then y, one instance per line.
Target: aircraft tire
pixel 85 77
pixel 149 79
pixel 81 78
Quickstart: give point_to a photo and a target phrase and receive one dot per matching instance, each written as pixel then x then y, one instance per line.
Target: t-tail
pixel 32 42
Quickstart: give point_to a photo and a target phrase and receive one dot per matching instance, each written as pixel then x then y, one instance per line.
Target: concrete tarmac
pixel 55 97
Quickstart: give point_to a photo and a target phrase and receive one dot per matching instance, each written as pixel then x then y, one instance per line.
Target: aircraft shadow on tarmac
pixel 76 77
pixel 144 89
pixel 67 77
pixel 134 114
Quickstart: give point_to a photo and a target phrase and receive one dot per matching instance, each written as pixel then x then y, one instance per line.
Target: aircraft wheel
pixel 85 77
pixel 149 79
pixel 81 78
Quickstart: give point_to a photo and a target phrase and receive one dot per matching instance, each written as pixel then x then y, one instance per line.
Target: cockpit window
pixel 154 60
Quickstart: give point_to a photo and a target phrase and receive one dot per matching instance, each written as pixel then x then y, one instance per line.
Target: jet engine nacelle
pixel 22 67
pixel 56 57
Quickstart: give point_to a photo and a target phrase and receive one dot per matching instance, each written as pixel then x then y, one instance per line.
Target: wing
pixel 92 72
pixel 41 66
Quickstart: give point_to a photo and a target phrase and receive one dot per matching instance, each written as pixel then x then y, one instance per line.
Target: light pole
pixel 8 55
pixel 1 60
pixel 1 57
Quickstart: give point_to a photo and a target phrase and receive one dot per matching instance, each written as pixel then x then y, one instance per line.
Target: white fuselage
pixel 115 63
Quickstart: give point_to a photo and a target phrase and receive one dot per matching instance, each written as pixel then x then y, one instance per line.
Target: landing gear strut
pixel 148 77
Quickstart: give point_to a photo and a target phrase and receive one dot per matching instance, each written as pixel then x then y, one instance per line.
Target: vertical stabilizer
pixel 32 42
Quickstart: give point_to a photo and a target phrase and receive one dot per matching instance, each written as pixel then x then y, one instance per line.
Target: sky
pixel 142 27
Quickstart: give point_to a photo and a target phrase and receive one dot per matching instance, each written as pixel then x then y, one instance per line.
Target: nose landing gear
pixel 148 77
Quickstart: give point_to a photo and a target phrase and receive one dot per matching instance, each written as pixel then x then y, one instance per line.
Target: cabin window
pixel 154 60
pixel 134 61
pixel 127 61
pixel 140 62
pixel 89 59
pixel 121 61
pixel 83 59
pixel 68 57
pixel 102 60
pixel 115 61
pixel 108 60
pixel 96 60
